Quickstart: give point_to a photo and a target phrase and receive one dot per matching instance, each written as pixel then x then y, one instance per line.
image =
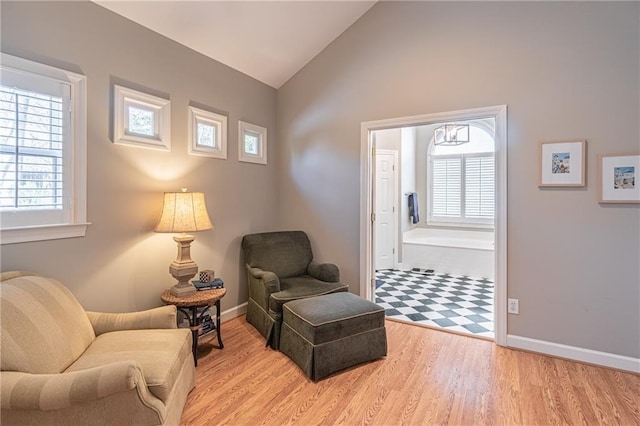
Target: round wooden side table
pixel 189 305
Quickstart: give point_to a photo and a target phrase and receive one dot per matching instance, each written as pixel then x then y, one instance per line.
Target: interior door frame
pixel 367 198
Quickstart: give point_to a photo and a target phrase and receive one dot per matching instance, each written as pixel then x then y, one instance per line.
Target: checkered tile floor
pixel 456 303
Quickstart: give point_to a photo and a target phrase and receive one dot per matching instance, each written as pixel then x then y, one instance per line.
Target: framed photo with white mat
pixel 618 178
pixel 562 163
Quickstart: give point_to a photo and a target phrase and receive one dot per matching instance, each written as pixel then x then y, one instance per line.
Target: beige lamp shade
pixel 184 212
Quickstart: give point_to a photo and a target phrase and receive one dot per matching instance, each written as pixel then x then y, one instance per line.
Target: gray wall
pixel 424 134
pixel 409 180
pixel 565 70
pixel 122 264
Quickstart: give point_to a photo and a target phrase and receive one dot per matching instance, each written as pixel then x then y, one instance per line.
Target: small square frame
pixel 158 108
pixel 562 163
pixel 218 122
pixel 617 178
pixel 259 154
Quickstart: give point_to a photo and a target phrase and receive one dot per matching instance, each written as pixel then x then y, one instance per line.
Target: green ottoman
pixel 325 334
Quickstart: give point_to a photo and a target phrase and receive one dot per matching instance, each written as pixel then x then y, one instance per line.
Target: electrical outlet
pixel 513 306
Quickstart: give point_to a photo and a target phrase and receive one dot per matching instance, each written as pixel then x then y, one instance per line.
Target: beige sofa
pixel 64 366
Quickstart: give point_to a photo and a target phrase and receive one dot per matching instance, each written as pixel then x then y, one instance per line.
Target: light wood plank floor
pixel 428 378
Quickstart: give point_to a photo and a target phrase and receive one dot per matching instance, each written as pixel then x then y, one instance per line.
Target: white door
pixel 385 199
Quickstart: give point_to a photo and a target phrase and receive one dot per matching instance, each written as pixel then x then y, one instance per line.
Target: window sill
pixel 454 225
pixel 42 233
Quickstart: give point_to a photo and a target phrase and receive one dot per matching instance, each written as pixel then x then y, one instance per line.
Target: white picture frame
pixel 207 133
pixel 562 163
pixel 252 143
pixel 141 120
pixel 618 178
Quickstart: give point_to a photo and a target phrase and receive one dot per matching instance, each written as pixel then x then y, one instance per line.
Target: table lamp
pixel 183 212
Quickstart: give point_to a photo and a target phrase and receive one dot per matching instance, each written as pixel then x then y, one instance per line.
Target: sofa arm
pixel 47 392
pixel 162 317
pixel 261 285
pixel 324 271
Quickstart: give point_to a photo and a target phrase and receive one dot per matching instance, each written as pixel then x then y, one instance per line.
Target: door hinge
pixel 373 217
pixel 373 150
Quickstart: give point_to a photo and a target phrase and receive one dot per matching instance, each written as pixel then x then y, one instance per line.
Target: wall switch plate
pixel 513 306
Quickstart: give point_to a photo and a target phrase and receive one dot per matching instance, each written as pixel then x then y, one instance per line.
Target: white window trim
pixel 161 108
pixel 219 122
pixel 77 224
pixel 254 129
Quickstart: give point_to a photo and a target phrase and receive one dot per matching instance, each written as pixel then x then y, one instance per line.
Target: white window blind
pixel 479 187
pixel 447 187
pixel 31 149
pixel 42 152
pixel 462 188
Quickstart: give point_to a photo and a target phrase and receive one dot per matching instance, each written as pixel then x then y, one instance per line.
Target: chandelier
pixel 451 134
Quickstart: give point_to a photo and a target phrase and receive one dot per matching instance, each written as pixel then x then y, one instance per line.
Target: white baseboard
pixel 589 356
pixel 234 312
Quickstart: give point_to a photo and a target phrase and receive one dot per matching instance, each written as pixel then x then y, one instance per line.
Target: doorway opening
pixel 434 239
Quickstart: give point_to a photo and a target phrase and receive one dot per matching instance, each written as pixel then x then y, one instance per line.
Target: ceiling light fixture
pixel 451 134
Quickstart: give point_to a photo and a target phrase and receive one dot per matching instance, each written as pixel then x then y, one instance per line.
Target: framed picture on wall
pixel 562 163
pixel 618 178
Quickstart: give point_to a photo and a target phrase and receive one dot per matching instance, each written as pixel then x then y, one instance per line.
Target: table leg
pixel 218 324
pixel 194 325
pixel 195 328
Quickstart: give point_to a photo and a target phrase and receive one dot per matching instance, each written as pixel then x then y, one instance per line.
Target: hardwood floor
pixel 428 378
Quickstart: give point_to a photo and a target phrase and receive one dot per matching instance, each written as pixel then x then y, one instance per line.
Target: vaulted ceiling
pixel 268 40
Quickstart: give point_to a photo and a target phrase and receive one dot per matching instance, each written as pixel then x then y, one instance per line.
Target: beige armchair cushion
pixel 160 354
pixel 44 328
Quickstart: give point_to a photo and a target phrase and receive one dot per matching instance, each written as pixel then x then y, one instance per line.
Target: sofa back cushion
pixel 285 253
pixel 44 328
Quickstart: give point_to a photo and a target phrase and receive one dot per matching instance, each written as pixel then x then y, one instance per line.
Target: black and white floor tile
pixel 456 303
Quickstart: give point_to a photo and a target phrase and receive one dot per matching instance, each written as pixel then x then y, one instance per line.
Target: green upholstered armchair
pixel 280 268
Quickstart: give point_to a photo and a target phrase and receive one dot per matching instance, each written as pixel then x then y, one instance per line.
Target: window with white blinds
pixel 461 181
pixel 462 188
pixel 447 187
pixel 42 152
pixel 479 187
pixel 31 148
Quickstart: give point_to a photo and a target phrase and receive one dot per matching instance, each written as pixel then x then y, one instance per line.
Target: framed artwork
pixel 207 133
pixel 618 178
pixel 562 163
pixel 141 120
pixel 252 143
